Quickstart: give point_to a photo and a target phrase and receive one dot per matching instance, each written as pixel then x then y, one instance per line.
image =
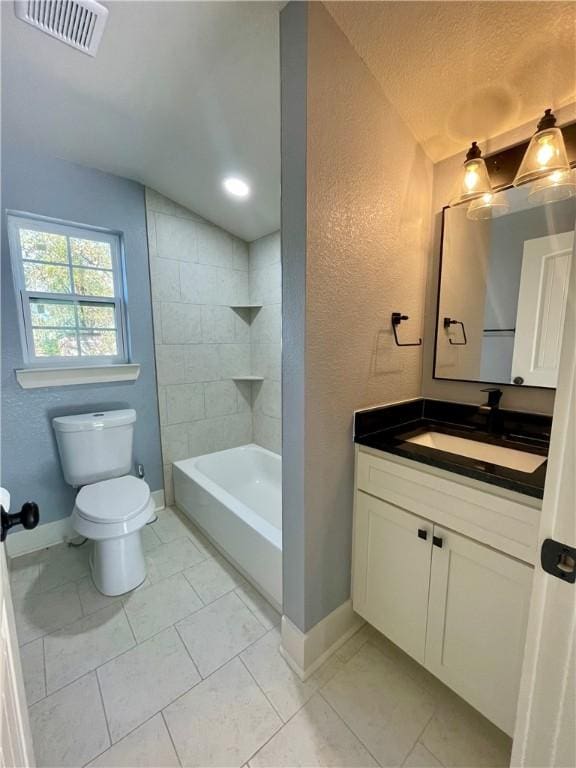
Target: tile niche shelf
pixel 246 306
pixel 248 378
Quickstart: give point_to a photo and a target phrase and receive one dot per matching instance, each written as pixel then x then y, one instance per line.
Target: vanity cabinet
pixel 456 605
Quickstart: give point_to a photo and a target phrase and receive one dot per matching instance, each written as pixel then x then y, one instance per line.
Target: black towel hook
pixel 397 318
pixel 448 321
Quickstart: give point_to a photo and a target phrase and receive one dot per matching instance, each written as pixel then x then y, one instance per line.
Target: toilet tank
pixel 95 446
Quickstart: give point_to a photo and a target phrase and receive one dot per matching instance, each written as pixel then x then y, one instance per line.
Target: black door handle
pixel 438 541
pixel 559 560
pixel 28 517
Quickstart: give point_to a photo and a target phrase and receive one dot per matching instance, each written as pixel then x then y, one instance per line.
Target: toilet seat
pixel 113 501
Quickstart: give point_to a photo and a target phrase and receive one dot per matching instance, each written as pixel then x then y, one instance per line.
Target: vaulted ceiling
pixel 182 93
pixel 179 95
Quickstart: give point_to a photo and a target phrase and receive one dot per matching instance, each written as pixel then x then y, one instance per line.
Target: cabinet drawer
pixel 502 523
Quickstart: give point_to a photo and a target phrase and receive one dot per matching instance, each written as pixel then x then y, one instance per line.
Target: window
pixel 69 284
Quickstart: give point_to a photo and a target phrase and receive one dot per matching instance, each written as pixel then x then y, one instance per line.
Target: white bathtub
pixel 235 497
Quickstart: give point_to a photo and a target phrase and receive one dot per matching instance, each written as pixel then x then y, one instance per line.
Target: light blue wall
pixel 30 467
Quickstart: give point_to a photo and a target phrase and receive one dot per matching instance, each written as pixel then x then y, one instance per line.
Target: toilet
pixel 111 506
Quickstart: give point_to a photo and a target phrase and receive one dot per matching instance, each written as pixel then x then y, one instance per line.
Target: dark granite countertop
pixel 388 429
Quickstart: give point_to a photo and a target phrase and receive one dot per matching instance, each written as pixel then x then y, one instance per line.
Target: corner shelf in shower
pixel 247 378
pixel 246 306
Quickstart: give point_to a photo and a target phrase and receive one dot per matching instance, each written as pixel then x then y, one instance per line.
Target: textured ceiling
pixel 458 71
pixel 179 94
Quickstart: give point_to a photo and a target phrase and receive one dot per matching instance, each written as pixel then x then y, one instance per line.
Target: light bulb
pixel 471 178
pixel 545 152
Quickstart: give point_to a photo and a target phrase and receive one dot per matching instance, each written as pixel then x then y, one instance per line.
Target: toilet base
pixel 118 564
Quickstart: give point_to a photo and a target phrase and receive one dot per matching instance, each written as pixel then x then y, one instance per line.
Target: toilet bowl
pixel 111 513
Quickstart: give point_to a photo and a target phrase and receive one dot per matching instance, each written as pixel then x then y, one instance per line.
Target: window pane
pixel 95 343
pixel 91 253
pixel 54 313
pixel 55 343
pixel 93 282
pixel 43 246
pixel 46 277
pixel 96 316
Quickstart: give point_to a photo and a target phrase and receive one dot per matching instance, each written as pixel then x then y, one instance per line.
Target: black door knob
pixel 28 517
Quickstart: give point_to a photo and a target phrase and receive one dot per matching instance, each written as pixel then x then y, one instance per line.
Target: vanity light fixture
pixel 474 181
pixel 546 154
pixel 559 185
pixel 489 206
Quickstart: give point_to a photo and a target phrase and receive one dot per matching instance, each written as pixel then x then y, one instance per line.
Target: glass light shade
pixel 473 181
pixel 559 185
pixel 546 154
pixel 489 206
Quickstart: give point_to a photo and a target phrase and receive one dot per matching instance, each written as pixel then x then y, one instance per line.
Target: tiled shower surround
pixel 199 273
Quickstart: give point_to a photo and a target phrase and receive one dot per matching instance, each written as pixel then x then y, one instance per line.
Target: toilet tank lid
pixel 97 420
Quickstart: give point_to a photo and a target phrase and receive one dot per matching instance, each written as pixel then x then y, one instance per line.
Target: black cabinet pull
pixel 438 541
pixel 422 533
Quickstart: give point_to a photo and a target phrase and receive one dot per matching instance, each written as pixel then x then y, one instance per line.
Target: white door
pixel 392 551
pixel 15 740
pixel 477 616
pixel 545 732
pixel 542 309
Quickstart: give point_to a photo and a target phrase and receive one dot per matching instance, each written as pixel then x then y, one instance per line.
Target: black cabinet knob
pixel 28 517
pixel 438 541
pixel 422 533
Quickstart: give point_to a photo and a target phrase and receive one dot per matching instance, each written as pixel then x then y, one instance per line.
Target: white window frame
pixel 17 221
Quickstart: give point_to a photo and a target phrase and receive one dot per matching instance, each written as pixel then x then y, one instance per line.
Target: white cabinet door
pixel 391 571
pixel 542 308
pixel 477 618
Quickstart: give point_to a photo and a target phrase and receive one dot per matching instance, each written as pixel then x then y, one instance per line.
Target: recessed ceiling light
pixel 236 187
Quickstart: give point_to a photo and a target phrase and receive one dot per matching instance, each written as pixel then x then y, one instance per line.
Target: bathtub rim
pixel 251 518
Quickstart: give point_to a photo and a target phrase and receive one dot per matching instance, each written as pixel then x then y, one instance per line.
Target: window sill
pixel 33 378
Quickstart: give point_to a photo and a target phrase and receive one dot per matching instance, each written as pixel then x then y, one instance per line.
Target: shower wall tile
pixel 181 323
pixel 221 398
pixel 184 403
pixel 165 279
pixel 176 238
pixel 215 247
pixel 218 325
pixel 265 340
pixel 198 271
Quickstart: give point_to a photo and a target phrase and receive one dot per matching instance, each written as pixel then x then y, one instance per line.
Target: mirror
pixel 503 291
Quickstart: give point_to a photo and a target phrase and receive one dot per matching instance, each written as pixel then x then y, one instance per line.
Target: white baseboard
pixel 21 542
pixel 158 497
pixel 305 652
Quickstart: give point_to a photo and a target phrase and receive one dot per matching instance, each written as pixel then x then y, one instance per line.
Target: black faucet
pixel 491 407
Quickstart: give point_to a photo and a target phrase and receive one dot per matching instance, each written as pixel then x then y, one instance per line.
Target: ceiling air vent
pixel 79 23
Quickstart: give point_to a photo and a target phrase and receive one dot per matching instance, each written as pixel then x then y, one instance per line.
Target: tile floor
pixel 186 671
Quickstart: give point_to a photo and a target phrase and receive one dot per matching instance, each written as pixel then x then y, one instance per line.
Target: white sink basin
pixel 494 454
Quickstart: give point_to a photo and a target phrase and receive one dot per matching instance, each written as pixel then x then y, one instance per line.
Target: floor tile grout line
pixel 129 624
pixel 190 656
pixel 103 709
pixel 236 591
pixel 232 657
pixel 170 736
pixel 87 672
pixel 349 727
pixel 268 699
pixel 44 670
